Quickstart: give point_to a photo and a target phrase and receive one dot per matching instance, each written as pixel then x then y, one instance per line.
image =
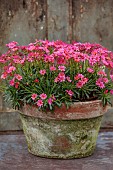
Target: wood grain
pixel 93 21
pixel 58 17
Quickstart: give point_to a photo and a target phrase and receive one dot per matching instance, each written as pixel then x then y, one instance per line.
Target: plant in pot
pixel 61 91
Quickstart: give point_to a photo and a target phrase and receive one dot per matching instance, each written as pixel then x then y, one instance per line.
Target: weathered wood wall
pixel 68 20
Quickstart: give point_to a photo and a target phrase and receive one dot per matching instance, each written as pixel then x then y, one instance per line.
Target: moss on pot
pixel 61 138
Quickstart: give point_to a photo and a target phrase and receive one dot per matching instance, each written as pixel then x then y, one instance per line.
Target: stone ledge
pixel 10 121
pixel 14 155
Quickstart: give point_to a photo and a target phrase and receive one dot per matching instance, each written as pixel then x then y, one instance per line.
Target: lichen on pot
pixel 67 137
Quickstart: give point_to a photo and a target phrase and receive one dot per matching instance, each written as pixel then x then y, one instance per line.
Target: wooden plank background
pixel 68 20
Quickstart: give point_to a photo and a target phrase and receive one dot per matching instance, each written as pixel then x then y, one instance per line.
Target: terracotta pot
pixel 66 133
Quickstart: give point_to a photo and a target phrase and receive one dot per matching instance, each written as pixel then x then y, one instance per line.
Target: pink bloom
pixel 111 76
pixel 68 79
pixel 106 91
pixel 4 75
pixel 85 80
pixel 22 61
pixel 34 96
pixel 79 84
pixel 11 68
pixel 17 85
pixel 100 83
pixel 61 77
pixel 43 96
pixel 52 68
pixel 105 80
pixel 53 97
pixel 2 61
pixel 90 70
pixel 61 68
pixel 39 103
pixel 49 58
pixel 56 80
pixel 12 44
pixel 42 72
pixel 78 76
pixel 111 91
pixel 15 49
pixel 61 60
pixel 36 80
pixel 50 100
pixel 31 48
pixel 70 92
pixel 16 61
pixel 18 77
pixel 111 64
pixel 105 62
pixel 101 73
pixel 12 82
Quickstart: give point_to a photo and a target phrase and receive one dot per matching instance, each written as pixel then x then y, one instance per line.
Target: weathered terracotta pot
pixel 65 133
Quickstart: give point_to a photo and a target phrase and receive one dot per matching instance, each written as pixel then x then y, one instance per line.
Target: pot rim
pixel 77 110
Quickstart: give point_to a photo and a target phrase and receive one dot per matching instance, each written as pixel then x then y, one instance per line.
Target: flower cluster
pixel 47 74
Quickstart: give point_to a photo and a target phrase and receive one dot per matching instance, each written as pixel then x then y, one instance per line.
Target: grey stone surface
pixel 10 121
pixel 14 155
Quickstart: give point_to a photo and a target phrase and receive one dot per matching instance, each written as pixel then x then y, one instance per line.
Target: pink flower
pixel 85 80
pixel 70 92
pixel 4 75
pixel 61 60
pixel 106 91
pixel 11 68
pixel 50 100
pixel 15 49
pixel 17 85
pixel 111 64
pixel 105 80
pixel 52 68
pixel 68 79
pixel 12 82
pixel 61 77
pixel 34 96
pixel 90 70
pixel 61 68
pixel 42 72
pixel 56 80
pixel 111 91
pixel 49 58
pixel 31 48
pixel 43 96
pixel 78 76
pixel 39 103
pixel 18 77
pixel 12 44
pixel 101 73
pixel 53 97
pixel 100 83
pixel 111 76
pixel 36 80
pixel 79 84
